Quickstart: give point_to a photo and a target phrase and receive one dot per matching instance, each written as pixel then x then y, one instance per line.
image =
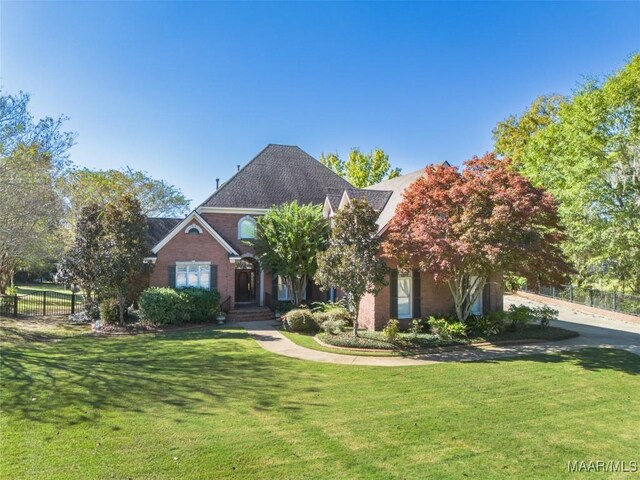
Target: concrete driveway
pixel 594 330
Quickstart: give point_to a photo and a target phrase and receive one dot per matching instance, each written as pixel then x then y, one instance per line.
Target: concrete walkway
pixel 594 332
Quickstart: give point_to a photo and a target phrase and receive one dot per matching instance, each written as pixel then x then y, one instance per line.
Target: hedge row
pixel 162 306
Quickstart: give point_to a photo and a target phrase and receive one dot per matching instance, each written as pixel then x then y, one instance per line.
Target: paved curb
pixel 272 340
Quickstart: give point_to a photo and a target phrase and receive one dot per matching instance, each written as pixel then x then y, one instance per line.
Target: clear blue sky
pixel 188 90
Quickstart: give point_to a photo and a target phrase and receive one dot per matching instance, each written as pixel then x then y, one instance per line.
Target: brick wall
pixel 226 224
pixel 184 248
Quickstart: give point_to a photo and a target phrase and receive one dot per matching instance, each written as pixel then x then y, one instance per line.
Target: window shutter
pixel 213 282
pixel 416 294
pixel 274 288
pixel 309 289
pixel 172 276
pixel 486 298
pixel 393 286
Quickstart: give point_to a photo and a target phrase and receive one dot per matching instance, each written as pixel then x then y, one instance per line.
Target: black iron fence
pixel 31 303
pixel 614 301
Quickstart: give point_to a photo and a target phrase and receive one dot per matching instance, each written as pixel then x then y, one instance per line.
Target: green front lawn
pixel 211 403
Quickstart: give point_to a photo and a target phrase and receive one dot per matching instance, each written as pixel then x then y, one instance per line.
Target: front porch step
pixel 249 314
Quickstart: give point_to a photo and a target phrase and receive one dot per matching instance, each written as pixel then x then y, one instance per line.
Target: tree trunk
pixel 356 312
pixel 121 301
pixel 465 294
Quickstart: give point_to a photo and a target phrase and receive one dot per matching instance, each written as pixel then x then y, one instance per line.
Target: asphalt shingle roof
pixel 278 174
pixel 376 198
pixel 158 228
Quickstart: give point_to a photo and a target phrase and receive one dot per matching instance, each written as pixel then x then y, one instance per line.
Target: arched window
pixel 193 229
pixel 246 228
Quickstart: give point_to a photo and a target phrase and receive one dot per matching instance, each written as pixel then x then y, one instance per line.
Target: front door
pixel 245 286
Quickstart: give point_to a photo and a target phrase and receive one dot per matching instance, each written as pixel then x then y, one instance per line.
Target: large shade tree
pixel 288 239
pixel 157 198
pixel 585 151
pixel 33 157
pixel 465 226
pixel 352 263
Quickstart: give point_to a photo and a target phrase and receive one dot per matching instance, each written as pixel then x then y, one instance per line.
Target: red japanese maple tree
pixel 464 226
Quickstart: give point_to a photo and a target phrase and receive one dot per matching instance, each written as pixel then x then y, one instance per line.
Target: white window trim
pixel 477 306
pixel 246 218
pixel 410 277
pixel 192 263
pixel 193 225
pixel 289 291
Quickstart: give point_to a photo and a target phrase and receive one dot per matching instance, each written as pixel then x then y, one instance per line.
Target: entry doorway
pixel 246 281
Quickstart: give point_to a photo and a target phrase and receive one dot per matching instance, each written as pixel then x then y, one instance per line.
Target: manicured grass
pixel 52 287
pixel 210 403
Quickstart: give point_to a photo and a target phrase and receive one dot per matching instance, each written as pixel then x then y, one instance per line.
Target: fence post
pixel 615 301
pixel 44 303
pixel 73 303
pixel 553 292
pixel 15 305
pixel 571 293
pixel 590 298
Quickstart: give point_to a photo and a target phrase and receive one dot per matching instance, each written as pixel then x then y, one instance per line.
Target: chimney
pixel 217 183
pixel 238 167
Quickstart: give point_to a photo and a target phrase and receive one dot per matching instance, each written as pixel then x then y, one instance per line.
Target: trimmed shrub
pixel 447 330
pixel 109 311
pixel 333 327
pixel 340 314
pixel 416 327
pixel 200 305
pixel 520 316
pixel 390 332
pixel 487 325
pixel 301 320
pixel 545 314
pixel 321 318
pixel 161 306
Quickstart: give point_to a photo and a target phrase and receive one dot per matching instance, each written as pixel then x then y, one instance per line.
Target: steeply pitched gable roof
pixel 278 174
pixel 397 186
pixel 376 198
pixel 158 228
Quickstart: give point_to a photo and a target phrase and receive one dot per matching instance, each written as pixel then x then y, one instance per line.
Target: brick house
pixel 206 248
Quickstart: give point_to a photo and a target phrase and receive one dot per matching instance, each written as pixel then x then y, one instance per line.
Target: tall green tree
pixel 288 239
pixel 124 248
pixel 512 135
pixel 157 198
pixel 82 264
pixel 361 169
pixel 352 263
pixel 33 156
pixel 586 158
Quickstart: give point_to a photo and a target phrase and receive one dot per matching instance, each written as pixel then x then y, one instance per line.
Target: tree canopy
pixel 351 263
pixel 361 169
pixel 33 157
pixel 157 198
pixel 288 239
pixel 587 155
pixel 465 226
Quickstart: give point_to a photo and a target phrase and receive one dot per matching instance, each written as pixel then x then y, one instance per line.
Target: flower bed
pixel 422 341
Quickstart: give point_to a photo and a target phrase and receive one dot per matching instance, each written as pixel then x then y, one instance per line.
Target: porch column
pixel 261 297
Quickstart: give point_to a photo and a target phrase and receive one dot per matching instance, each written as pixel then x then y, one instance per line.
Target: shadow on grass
pixel 75 379
pixel 593 359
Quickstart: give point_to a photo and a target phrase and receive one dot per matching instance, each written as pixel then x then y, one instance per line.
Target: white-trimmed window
pixel 476 308
pixel 247 228
pixel 196 275
pixel 193 229
pixel 405 295
pixel 285 291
